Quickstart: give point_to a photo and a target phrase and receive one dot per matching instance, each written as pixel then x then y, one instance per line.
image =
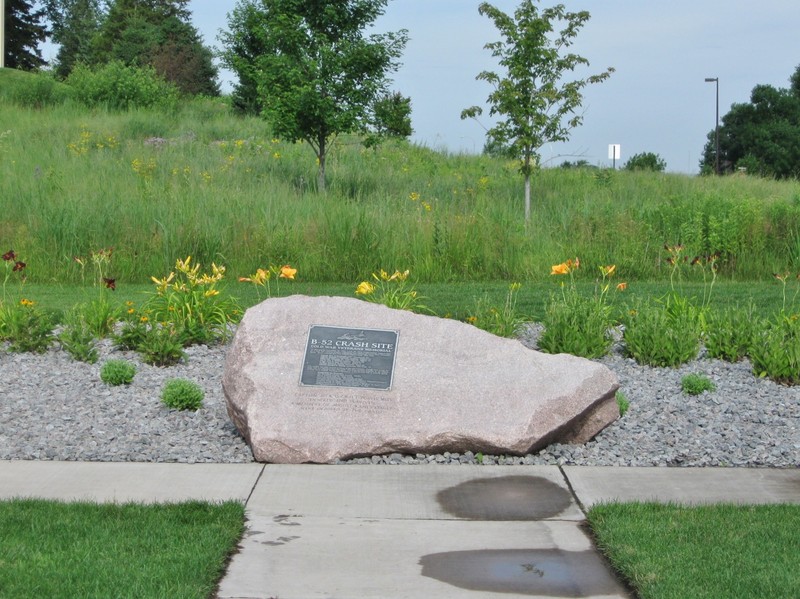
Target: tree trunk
pixel 527 197
pixel 321 172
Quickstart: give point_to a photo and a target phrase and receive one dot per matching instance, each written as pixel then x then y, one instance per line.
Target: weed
pixel 695 384
pixel 622 403
pixel 77 337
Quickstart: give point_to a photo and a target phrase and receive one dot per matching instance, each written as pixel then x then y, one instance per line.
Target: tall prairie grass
pixel 202 182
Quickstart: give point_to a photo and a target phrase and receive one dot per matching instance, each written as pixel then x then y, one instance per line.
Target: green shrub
pixel 775 352
pixel 577 325
pixel 161 345
pixel 117 86
pixel 729 333
pixel 117 372
pixel 77 337
pixel 181 394
pixel 660 335
pixel 695 384
pixel 25 327
pixel 38 90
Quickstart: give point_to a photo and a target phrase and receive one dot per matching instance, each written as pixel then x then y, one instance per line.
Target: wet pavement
pixel 394 532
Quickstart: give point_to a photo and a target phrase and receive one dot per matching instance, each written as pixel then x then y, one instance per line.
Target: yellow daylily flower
pixel 559 269
pixel 365 288
pixel 287 272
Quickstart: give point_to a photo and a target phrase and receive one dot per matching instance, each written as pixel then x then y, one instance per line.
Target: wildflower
pixel 131 311
pixel 163 283
pixel 365 288
pixel 19 265
pixel 608 270
pixel 277 155
pixel 287 272
pixel 413 196
pixel 26 302
pixel 559 269
pixel 622 286
pixel 211 292
pixel 260 277
pixel 472 319
pixel 514 286
pixel 110 283
pixel 9 255
pixel 144 319
pixel 399 276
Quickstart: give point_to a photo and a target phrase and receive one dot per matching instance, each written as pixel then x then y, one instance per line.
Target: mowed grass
pixel 453 300
pixel 705 552
pixel 96 551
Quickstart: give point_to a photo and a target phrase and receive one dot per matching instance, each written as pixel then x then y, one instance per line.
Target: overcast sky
pixel 657 101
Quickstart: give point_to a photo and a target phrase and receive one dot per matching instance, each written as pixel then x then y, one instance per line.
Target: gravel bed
pixel 55 408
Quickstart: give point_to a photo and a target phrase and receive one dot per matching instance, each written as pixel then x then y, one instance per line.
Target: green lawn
pixel 707 552
pixel 455 300
pixel 59 550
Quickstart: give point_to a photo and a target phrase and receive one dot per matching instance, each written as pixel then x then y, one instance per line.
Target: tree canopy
pixel 142 33
pixel 317 74
pixel 24 31
pixel 646 161
pixel 534 103
pixel 761 136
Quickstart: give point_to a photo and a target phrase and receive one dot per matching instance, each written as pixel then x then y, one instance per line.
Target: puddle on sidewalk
pixel 505 498
pixel 543 572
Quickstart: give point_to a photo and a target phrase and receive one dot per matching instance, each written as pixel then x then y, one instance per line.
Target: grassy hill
pixel 200 181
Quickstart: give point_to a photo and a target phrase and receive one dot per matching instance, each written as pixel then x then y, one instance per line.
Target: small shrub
pixel 38 90
pixel 77 338
pixel 729 334
pixel 577 325
pixel 695 384
pixel 161 346
pixel 25 327
pixel 657 336
pixel 118 86
pixel 181 394
pixel 131 335
pixel 117 372
pixel 775 351
pixel 622 403
pixel 99 316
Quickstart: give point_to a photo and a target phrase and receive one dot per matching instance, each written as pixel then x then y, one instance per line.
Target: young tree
pixel 24 31
pixel 535 105
pixel 317 74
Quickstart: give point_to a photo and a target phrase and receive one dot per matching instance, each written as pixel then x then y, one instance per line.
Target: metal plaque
pixel 340 357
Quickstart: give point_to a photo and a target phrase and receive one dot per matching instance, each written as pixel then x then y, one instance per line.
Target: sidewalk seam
pixel 572 490
pixel 255 484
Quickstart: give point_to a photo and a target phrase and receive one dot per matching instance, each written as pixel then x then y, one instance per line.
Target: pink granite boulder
pixel 315 379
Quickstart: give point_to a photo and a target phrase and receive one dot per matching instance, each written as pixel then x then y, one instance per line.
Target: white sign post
pixel 614 151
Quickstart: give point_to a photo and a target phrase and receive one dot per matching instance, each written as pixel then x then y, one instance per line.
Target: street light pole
pixel 715 80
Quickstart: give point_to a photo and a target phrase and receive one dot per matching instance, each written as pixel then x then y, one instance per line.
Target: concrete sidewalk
pixel 387 532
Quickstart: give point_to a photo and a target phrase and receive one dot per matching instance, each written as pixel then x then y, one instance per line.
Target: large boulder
pixel 315 379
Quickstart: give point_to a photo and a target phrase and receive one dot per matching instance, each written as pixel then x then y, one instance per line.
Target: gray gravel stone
pixel 55 408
